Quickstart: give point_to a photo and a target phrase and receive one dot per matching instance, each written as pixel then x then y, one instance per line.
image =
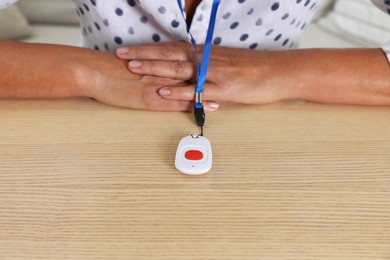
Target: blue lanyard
pixel 202 69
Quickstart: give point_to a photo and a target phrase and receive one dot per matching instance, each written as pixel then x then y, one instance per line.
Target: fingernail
pixel 135 64
pixel 164 92
pixel 212 106
pixel 122 50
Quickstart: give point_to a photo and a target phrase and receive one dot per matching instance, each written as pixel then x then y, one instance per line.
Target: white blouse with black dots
pixel 251 24
pixel 262 25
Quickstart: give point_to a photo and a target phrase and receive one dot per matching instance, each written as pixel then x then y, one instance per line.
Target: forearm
pixel 40 71
pixel 336 76
pixel 56 71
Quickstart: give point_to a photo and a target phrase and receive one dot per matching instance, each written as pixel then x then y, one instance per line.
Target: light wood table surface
pixel 81 180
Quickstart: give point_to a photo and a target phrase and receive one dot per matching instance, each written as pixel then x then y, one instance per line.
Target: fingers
pixel 177 93
pixel 210 106
pixel 168 69
pixel 164 51
pixel 210 93
pixel 170 60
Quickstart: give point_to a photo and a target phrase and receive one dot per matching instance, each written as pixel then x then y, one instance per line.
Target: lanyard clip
pixel 200 116
pixel 198 110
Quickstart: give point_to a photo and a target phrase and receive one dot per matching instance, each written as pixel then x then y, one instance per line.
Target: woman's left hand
pixel 334 76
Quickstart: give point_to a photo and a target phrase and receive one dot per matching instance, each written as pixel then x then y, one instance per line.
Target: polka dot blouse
pixel 260 25
pixel 266 24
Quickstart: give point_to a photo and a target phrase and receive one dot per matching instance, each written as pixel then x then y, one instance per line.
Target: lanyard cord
pixel 202 69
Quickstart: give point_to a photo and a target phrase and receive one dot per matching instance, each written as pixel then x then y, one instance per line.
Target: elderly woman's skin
pixel 333 76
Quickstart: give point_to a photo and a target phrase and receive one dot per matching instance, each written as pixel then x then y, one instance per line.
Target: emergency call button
pixel 193 155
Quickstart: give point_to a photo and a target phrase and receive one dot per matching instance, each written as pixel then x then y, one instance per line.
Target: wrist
pixel 84 82
pixel 281 76
pixel 87 73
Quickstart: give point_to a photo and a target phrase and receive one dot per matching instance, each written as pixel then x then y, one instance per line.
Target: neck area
pixel 190 9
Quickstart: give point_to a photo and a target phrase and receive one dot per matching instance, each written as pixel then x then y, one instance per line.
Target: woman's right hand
pixel 57 71
pixel 107 79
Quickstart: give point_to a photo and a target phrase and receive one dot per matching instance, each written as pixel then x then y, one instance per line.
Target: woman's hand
pixel 110 82
pixel 335 76
pixel 235 75
pixel 56 71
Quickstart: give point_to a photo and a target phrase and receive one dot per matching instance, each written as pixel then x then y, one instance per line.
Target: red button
pixel 193 155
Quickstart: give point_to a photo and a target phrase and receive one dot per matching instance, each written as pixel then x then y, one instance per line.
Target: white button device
pixel 194 155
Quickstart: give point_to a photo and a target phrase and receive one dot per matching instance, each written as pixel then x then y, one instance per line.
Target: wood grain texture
pixel 81 180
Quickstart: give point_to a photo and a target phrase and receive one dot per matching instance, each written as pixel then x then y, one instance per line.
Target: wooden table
pixel 81 180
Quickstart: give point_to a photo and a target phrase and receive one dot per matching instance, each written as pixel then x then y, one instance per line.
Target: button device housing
pixel 194 155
